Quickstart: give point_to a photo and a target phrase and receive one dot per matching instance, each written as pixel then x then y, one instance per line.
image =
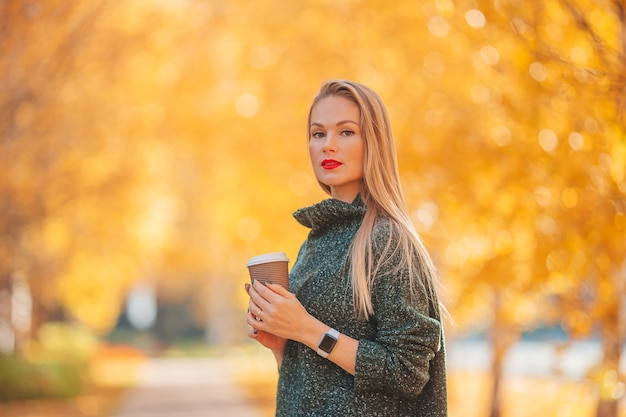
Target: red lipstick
pixel 330 164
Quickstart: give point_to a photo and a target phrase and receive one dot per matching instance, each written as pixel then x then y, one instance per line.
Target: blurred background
pixel 148 148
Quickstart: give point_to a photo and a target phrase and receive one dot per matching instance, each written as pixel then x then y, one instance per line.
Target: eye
pixel 347 132
pixel 317 134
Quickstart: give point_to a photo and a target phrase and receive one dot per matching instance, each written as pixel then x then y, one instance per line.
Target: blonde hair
pixel 382 195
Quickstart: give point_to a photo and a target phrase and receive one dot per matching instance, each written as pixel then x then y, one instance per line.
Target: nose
pixel 330 144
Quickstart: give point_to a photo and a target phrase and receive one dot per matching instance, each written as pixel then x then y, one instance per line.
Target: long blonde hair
pixel 382 195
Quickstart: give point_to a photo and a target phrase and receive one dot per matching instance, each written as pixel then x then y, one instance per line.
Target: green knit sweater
pixel 400 361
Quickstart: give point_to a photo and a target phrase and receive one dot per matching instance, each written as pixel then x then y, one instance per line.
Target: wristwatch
pixel 327 343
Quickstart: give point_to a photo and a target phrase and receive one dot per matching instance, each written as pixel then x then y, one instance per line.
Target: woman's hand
pixel 271 341
pixel 275 343
pixel 276 315
pixel 275 310
pixel 268 340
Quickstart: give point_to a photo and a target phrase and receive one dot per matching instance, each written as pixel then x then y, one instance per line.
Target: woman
pixel 360 332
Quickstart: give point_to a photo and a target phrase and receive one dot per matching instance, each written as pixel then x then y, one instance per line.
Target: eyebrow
pixel 339 123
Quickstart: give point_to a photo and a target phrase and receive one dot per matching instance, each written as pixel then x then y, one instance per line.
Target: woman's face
pixel 336 146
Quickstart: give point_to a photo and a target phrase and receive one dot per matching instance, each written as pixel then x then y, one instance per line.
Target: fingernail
pixel 252 280
pixel 268 281
pixel 256 331
pixel 247 287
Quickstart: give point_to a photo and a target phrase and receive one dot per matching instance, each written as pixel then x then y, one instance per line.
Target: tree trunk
pixel 620 5
pixel 612 327
pixel 501 337
pixel 607 408
pixel 608 378
pixel 608 383
pixel 496 375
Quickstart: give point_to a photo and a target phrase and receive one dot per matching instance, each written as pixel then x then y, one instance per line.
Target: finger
pixel 255 316
pixel 255 311
pixel 261 296
pixel 268 290
pixel 254 296
pixel 257 304
pixel 277 288
pixel 253 306
pixel 252 321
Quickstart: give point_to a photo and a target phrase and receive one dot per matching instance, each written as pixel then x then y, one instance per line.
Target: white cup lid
pixel 268 257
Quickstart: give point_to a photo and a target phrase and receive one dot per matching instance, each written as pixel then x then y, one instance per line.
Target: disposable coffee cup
pixel 270 266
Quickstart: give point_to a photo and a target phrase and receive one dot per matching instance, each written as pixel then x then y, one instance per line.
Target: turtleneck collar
pixel 330 213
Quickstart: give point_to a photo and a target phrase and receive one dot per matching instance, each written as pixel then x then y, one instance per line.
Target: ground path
pixel 188 387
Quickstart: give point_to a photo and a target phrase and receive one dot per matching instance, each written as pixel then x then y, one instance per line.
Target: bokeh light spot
pixel 518 25
pixel 547 225
pixel 439 26
pixel 569 197
pixel 503 242
pixel 445 7
pixel 248 229
pixel 501 135
pixel 141 306
pixel 490 55
pixel 260 57
pixel 300 183
pixel 480 93
pixel 434 64
pixel 427 214
pixel 591 125
pixel 548 140
pixel 578 55
pixel 538 71
pixel 475 18
pixel 576 141
pixel 433 118
pixel 555 32
pixel 247 105
pixel 168 74
pixel 543 196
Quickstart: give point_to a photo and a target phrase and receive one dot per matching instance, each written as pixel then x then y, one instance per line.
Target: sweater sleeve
pixel 397 361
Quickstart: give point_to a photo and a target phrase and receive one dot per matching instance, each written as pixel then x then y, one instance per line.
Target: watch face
pixel 328 343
